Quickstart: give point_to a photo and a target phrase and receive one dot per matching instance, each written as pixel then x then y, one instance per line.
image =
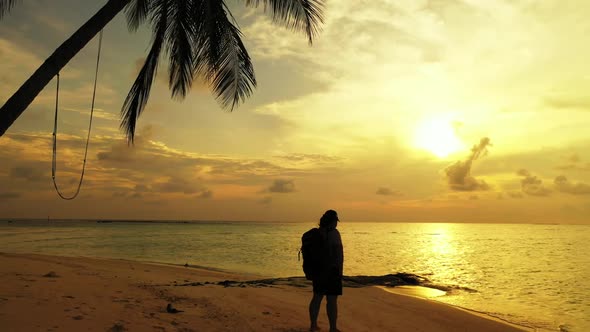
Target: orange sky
pixel 403 110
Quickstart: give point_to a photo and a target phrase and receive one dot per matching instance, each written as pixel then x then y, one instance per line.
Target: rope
pixel 54 158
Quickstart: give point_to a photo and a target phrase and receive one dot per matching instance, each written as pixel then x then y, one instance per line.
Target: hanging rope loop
pixel 54 157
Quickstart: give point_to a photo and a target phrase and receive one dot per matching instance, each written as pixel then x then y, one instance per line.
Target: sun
pixel 437 136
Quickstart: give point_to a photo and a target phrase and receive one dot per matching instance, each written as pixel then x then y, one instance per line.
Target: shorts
pixel 327 284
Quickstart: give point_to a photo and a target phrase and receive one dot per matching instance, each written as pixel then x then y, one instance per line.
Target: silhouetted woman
pixel 329 280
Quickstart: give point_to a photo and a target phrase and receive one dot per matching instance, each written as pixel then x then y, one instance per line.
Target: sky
pixel 401 110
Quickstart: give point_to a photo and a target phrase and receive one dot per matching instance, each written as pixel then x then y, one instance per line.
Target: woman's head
pixel 329 219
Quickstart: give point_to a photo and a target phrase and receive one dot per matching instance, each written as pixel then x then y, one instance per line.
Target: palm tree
pixel 199 37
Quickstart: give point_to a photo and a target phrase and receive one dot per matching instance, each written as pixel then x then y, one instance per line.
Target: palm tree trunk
pixel 17 104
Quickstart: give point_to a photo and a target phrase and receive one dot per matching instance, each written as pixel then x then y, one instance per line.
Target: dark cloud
pixel 387 192
pixel 142 188
pixel 172 184
pixel 574 158
pixel 532 185
pixel 515 194
pixel 247 167
pixel 459 174
pixel 563 185
pixel 121 152
pixel 206 194
pixel 282 186
pixel 9 195
pixel 574 161
pixel 265 200
pixel 176 185
pixel 579 103
pixel 27 173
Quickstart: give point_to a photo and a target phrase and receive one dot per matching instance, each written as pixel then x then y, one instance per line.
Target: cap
pixel 332 215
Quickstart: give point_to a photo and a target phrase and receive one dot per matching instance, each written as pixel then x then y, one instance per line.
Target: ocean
pixel 529 274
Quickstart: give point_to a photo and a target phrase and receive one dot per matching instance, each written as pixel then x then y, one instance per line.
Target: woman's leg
pixel 314 310
pixel 332 309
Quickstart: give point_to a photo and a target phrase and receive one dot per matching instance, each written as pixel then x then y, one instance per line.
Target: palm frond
pixel 298 15
pixel 137 11
pixel 6 6
pixel 222 58
pixel 234 78
pixel 179 39
pixel 140 91
pixel 207 32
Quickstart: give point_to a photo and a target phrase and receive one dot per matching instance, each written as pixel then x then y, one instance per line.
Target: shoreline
pixel 305 222
pixel 423 292
pixel 55 293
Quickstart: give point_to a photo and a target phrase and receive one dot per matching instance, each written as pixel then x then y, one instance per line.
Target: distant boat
pixel 103 221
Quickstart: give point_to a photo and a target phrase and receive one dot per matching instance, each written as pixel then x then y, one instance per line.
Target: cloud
pixel 142 188
pixel 563 185
pixel 387 192
pixel 57 24
pixel 265 200
pixel 576 103
pixel 532 185
pixel 176 185
pixel 459 174
pixel 162 77
pixel 122 152
pixel 146 169
pixel 574 158
pixel 206 194
pixel 16 60
pixel 9 195
pixel 515 194
pixel 27 173
pixel 98 113
pixel 282 186
pixel 173 184
pixel 309 158
pixel 14 56
pixel 574 161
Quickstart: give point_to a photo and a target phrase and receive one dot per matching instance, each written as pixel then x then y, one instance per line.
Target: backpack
pixel 312 247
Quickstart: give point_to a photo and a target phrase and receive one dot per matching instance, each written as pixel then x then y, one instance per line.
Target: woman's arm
pixel 339 251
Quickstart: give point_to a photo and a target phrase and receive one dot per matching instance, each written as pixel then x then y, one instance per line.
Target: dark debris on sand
pixel 388 280
pixel 118 327
pixel 51 274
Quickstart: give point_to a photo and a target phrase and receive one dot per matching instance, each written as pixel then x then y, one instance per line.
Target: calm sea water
pixel 535 275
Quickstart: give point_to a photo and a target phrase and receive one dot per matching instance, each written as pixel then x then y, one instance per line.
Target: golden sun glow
pixel 437 136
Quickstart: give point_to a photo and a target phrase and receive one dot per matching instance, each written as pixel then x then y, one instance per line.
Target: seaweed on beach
pixel 389 280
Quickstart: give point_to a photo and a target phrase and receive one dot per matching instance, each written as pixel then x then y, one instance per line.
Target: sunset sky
pixel 402 110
